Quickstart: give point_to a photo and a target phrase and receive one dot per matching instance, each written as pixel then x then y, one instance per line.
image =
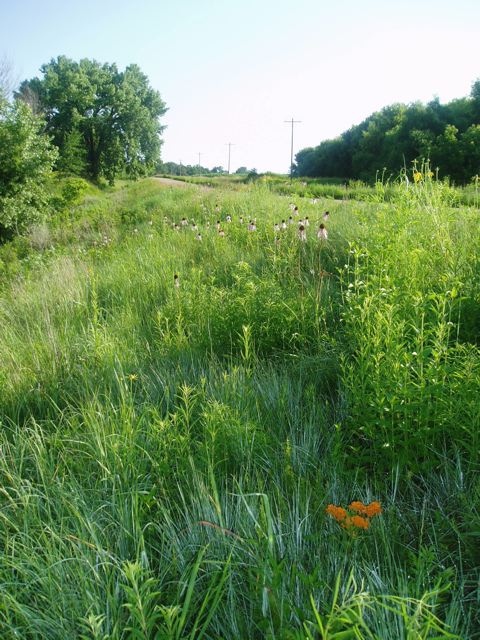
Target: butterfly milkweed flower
pixel 339 513
pixel 360 523
pixel 373 509
pixel 360 519
pixel 358 507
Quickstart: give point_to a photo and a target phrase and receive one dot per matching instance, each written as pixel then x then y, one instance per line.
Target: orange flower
pixel 358 507
pixel 361 523
pixel 339 513
pixel 373 509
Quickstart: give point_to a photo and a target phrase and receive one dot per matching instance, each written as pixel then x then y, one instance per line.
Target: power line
pixel 229 145
pixel 292 122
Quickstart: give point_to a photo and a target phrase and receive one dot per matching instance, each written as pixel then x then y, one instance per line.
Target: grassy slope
pixel 168 454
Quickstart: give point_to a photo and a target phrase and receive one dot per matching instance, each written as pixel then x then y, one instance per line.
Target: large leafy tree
pixel 26 160
pixel 395 136
pixel 115 114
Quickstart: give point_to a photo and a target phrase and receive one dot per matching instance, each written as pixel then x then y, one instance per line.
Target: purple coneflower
pixel 322 233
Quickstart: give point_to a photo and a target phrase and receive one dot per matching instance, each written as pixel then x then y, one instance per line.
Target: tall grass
pixel 167 454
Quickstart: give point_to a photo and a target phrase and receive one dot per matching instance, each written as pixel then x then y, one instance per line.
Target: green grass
pixel 167 454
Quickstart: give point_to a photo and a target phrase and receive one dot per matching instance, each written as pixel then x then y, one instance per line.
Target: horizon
pixel 239 85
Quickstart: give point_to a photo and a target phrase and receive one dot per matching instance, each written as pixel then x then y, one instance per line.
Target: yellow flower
pixel 132 377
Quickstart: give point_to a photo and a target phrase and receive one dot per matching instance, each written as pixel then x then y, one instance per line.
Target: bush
pixel 26 159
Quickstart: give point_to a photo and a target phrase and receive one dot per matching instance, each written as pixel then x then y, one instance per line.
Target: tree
pixel 26 160
pixel 397 135
pixel 7 81
pixel 115 115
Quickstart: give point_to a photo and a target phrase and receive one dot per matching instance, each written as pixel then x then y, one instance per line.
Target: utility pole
pixel 292 122
pixel 229 145
pixel 199 157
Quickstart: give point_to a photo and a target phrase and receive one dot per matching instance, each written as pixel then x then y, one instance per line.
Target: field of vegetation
pixel 281 442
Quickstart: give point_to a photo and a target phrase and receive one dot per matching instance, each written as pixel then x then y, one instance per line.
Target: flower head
pixel 360 523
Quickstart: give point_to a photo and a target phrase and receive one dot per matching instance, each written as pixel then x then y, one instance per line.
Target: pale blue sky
pixel 234 71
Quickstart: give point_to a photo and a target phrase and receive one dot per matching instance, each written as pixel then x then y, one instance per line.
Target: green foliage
pixel 167 453
pixel 100 116
pixel 26 159
pixel 396 136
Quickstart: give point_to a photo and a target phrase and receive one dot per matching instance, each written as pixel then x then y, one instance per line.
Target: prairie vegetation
pixel 172 456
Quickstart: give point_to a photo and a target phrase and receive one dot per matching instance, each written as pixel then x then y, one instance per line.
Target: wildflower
pixel 241 220
pixel 357 506
pixel 339 513
pixel 306 222
pixel 276 227
pixel 290 220
pixel 252 226
pixel 417 176
pixel 229 218
pixel 359 522
pixel 322 233
pixel 198 236
pixel 218 225
pixel 150 222
pixel 326 215
pixel 132 377
pixel 373 509
pixel 292 206
pixel 284 224
pixel 194 226
pixel 295 211
pixel 302 234
pixel 176 281
pixel 184 222
pixel 221 233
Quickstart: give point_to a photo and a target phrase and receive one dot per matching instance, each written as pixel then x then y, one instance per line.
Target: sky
pixel 234 71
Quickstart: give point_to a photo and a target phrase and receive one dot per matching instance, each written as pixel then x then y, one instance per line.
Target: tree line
pixel 79 118
pixel 448 135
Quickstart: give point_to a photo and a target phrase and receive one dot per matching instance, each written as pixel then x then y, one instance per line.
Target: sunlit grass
pixel 168 453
